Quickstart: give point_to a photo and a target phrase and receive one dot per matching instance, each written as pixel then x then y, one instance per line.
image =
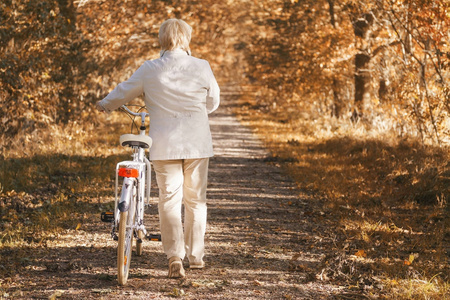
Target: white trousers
pixel 182 181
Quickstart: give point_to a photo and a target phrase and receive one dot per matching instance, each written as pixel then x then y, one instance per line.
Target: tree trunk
pixel 331 11
pixel 383 89
pixel 335 86
pixel 362 82
pixel 337 101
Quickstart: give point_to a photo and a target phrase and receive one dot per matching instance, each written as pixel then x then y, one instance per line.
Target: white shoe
pixel 176 269
pixel 198 265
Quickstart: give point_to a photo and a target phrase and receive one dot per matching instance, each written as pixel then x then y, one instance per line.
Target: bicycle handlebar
pixel 141 114
pixel 133 113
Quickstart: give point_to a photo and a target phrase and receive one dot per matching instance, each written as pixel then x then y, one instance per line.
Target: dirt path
pixel 261 240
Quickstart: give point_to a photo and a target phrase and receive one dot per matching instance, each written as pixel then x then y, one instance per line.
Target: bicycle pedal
pixel 154 237
pixel 139 241
pixel 107 216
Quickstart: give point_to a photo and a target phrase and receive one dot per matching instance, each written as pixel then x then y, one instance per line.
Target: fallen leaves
pixel 67 266
pixel 208 283
pixel 56 294
pixel 257 282
pixel 361 253
pixel 102 291
pixel 176 292
pixel 351 266
pixel 78 226
pixel 410 259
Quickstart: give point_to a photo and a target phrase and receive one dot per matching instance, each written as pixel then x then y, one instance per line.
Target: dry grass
pixel 383 199
pixel 384 203
pixel 49 176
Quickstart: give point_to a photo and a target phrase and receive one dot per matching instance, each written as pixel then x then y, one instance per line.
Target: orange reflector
pixel 128 172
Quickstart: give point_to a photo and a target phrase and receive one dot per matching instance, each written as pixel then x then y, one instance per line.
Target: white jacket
pixel 180 91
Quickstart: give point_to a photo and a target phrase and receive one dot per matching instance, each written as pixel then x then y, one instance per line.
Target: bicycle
pixel 128 215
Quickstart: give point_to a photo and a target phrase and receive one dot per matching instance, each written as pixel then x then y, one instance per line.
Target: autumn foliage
pixel 385 63
pixel 377 61
pixel 351 98
pixel 59 56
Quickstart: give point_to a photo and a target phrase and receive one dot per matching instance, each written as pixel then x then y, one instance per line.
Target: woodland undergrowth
pixel 381 191
pixel 386 200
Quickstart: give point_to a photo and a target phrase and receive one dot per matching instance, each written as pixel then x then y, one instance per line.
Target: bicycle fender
pixel 127 193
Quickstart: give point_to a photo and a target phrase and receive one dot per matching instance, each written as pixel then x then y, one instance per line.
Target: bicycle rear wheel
pixel 125 243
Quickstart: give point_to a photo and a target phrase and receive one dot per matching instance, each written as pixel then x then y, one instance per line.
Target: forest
pixel 350 98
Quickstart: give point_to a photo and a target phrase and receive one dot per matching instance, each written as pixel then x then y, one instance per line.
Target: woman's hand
pixel 99 106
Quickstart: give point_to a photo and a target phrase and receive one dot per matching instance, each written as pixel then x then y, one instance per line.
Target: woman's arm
pixel 124 92
pixel 213 94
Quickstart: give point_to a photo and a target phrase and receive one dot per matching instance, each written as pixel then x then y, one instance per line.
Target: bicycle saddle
pixel 136 140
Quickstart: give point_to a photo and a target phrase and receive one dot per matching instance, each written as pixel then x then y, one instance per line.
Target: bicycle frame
pixel 139 183
pixel 128 216
pixel 141 163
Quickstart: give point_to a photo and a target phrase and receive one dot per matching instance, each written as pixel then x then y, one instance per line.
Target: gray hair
pixel 175 33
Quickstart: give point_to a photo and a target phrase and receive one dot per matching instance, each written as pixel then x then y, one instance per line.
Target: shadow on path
pixel 257 237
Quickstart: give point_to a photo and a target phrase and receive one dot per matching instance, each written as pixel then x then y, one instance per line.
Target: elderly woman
pixel 180 91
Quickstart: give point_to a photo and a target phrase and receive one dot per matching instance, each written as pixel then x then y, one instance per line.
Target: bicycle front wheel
pixel 125 243
pixel 140 245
